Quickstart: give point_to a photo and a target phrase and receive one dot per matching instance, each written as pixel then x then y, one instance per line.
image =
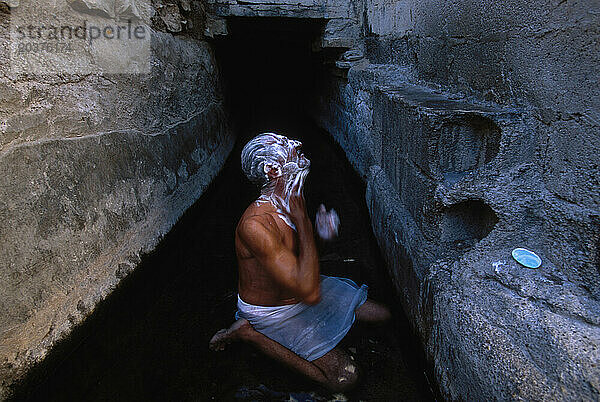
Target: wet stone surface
pixel 149 339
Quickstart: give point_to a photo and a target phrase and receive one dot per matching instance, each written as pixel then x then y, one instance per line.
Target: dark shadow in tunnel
pixel 269 72
pixel 149 339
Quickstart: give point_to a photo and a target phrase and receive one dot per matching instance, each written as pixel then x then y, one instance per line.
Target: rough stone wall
pixel 475 126
pixel 95 169
pixel 543 56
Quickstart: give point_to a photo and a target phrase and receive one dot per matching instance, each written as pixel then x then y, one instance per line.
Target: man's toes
pixel 241 329
pixel 217 341
pixel 240 325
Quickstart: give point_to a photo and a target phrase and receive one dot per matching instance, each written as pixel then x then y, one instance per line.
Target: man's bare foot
pixel 225 336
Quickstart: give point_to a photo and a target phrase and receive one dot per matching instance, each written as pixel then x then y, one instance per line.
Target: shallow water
pixel 148 340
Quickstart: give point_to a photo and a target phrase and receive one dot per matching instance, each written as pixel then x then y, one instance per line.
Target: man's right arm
pixel 299 275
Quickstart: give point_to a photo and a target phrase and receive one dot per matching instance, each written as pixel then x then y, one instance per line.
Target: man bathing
pixel 285 307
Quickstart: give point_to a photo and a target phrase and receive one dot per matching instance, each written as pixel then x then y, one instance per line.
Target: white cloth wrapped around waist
pixel 309 331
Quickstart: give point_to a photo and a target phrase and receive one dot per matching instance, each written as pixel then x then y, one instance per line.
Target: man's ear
pixel 272 170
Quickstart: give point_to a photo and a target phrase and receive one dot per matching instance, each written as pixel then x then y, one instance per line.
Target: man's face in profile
pixel 290 152
pixel 291 166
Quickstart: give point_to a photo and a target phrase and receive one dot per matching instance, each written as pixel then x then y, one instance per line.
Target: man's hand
pixel 298 213
pixel 327 223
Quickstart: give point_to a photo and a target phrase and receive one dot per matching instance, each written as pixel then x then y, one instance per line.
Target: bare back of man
pixel 270 256
pixel 256 284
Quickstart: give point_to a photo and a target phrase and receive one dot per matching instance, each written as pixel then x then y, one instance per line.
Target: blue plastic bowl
pixel 526 258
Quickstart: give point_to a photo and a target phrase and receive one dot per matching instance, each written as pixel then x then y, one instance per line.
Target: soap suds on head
pixel 277 153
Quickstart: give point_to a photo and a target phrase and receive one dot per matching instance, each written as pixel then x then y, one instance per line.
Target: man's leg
pixel 339 368
pixel 335 370
pixel 372 312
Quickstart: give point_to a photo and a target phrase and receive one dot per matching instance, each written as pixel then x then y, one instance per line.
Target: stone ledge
pixel 394 81
pixel 487 322
pixel 492 329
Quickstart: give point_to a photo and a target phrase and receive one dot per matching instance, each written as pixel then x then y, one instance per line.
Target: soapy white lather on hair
pixel 273 151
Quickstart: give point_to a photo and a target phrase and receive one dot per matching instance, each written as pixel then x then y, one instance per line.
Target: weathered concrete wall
pixel 543 56
pixel 95 169
pixel 475 126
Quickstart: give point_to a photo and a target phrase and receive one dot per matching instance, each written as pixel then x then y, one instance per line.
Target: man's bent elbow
pixel 312 298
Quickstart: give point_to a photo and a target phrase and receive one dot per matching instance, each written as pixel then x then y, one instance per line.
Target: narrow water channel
pixel 148 340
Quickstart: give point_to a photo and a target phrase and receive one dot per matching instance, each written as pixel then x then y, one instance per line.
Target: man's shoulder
pixel 257 223
pixel 258 236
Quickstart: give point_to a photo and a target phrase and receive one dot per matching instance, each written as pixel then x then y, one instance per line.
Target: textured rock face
pixel 475 130
pixel 96 168
pixel 542 56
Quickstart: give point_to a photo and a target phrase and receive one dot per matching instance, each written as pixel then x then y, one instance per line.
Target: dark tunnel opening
pixel 148 340
pixel 269 87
